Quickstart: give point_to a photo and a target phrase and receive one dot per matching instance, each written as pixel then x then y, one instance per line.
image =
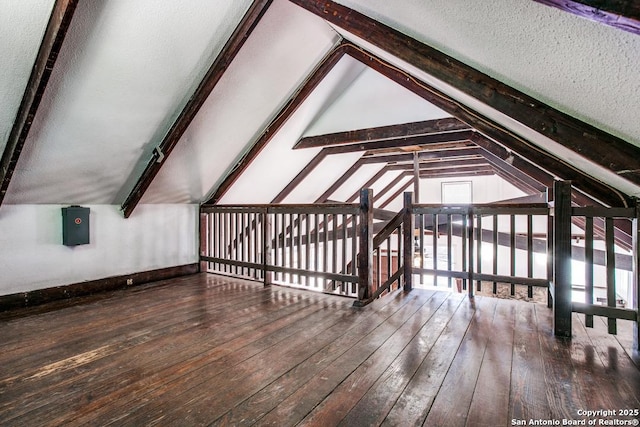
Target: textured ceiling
pixel 124 71
pixel 22 25
pixel 588 70
pixel 127 68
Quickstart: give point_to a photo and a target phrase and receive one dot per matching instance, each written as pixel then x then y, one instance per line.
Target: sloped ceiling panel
pixel 586 69
pixel 355 99
pixel 571 158
pixel 278 164
pixel 285 46
pixel 372 101
pixel 22 26
pixel 122 76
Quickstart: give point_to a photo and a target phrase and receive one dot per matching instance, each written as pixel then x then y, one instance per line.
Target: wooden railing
pixel 332 248
pixel 308 246
pixel 449 243
pixel 603 265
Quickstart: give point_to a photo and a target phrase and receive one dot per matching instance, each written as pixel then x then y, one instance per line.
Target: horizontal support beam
pixel 398 133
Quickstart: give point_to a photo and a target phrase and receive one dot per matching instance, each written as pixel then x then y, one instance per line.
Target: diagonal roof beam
pixel 54 35
pixel 498 135
pixel 598 146
pixel 345 176
pixel 375 178
pixel 292 104
pixel 621 14
pixel 395 181
pixel 190 110
pixel 392 132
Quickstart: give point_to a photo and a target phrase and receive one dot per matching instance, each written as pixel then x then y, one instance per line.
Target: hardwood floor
pixel 211 350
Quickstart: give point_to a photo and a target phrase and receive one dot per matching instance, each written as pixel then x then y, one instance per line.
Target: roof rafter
pixel 621 14
pixel 292 104
pixel 212 77
pixel 57 27
pixel 592 143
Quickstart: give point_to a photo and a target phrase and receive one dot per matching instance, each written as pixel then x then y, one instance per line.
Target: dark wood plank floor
pixel 210 350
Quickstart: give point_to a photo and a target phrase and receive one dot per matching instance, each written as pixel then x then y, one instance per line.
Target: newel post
pixel 636 275
pixel 562 259
pixel 408 227
pixel 204 239
pixel 266 247
pixel 365 251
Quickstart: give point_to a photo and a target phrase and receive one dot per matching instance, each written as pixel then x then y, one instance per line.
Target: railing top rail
pixel 603 212
pixel 485 208
pixel 337 208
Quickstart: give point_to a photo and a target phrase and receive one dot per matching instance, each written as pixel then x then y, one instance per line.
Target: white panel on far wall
pixel 32 255
pixel 486 189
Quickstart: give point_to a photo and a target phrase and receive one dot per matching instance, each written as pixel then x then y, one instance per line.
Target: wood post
pixel 636 276
pixel 470 237
pixel 266 248
pixel 562 259
pixel 365 254
pixel 408 228
pixel 204 239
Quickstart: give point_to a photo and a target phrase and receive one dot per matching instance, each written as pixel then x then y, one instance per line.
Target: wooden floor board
pixel 413 405
pixel 490 403
pixel 374 406
pixel 295 407
pixel 214 350
pixel 255 407
pixel 349 392
pixel 528 398
pixel 127 376
pixel 453 401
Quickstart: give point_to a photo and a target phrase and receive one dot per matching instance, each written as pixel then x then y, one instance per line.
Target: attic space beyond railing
pixel 356 251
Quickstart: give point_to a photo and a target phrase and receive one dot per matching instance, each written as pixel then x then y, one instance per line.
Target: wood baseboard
pixel 57 293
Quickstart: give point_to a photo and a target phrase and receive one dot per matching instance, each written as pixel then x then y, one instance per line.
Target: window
pixel 457 193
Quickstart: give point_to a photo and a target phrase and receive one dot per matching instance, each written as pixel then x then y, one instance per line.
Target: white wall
pixel 32 255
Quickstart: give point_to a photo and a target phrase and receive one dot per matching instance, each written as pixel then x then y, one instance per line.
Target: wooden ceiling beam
pixel 407 141
pixel 395 181
pixel 458 173
pixel 318 158
pixel 368 184
pixel 280 118
pixel 345 176
pixel 496 134
pixel 423 155
pixel 621 14
pixel 240 35
pixel 395 195
pixel 594 144
pixel 54 35
pixel 442 164
pixel 392 132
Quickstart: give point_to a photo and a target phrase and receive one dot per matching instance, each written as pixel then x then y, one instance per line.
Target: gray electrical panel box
pixel 75 226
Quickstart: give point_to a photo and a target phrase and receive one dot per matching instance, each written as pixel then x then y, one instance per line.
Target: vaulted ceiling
pixel 151 101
